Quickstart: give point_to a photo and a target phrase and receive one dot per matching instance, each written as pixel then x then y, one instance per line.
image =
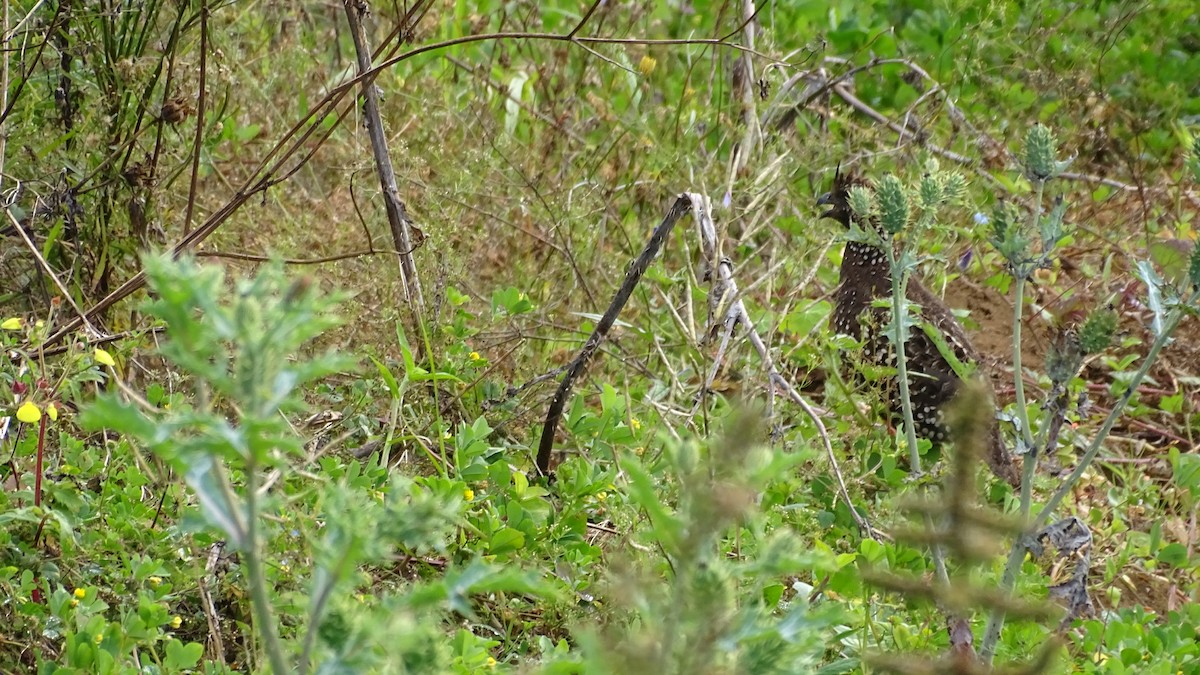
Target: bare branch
pixel 397 213
pixel 632 277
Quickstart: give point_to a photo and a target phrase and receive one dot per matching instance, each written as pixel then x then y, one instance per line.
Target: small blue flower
pixel 982 219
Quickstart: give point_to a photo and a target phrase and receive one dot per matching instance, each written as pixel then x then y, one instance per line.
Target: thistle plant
pixel 1028 243
pixel 903 214
pixel 238 355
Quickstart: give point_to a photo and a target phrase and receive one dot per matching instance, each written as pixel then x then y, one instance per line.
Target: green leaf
pixel 181 656
pixel 388 378
pixel 641 490
pixel 963 370
pixel 247 133
pixel 217 501
pixel 456 297
pixel 804 321
pixel 610 399
pixel 479 577
pixel 1153 295
pixel 512 301
pixel 414 372
pixel 505 541
pixel 772 594
pixel 1186 471
pixel 1174 554
pixel 1171 256
pixel 109 413
pixel 1171 404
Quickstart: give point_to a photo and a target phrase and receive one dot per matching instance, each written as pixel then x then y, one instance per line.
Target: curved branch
pixel 682 205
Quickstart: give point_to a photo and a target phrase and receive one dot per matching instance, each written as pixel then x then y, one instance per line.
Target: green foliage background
pixel 536 168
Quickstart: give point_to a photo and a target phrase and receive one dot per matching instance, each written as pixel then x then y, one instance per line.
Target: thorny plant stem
pixel 899 310
pixel 996 621
pixel 1031 451
pixel 264 619
pixel 1020 272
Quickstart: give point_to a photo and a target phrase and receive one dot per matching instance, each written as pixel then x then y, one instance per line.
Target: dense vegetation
pixel 308 442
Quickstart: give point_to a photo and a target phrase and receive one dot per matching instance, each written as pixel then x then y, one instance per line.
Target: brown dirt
pixel 990 325
pixel 1177 370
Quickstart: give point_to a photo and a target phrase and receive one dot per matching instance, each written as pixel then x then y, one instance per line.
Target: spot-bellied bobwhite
pixel 933 382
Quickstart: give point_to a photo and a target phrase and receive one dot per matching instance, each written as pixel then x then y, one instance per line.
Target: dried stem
pixel 397 213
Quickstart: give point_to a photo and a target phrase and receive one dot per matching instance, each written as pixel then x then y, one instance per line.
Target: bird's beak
pixel 826 200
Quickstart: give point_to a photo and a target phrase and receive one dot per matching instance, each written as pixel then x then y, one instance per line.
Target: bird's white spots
pixel 866 279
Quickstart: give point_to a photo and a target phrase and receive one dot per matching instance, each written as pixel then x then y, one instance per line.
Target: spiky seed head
pixel 1003 219
pixel 860 202
pixel 893 204
pixel 931 193
pixel 1040 149
pixel 954 188
pixel 1097 331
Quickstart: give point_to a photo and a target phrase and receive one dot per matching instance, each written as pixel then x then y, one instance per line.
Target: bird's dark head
pixel 838 197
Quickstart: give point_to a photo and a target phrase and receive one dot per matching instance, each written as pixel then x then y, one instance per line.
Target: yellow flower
pixel 491 663
pixel 475 356
pixel 80 593
pixel 99 638
pixel 14 323
pixel 647 65
pixel 469 494
pixel 104 358
pixel 176 621
pixel 635 423
pixel 52 411
pixel 29 413
pixel 601 496
pixel 154 581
